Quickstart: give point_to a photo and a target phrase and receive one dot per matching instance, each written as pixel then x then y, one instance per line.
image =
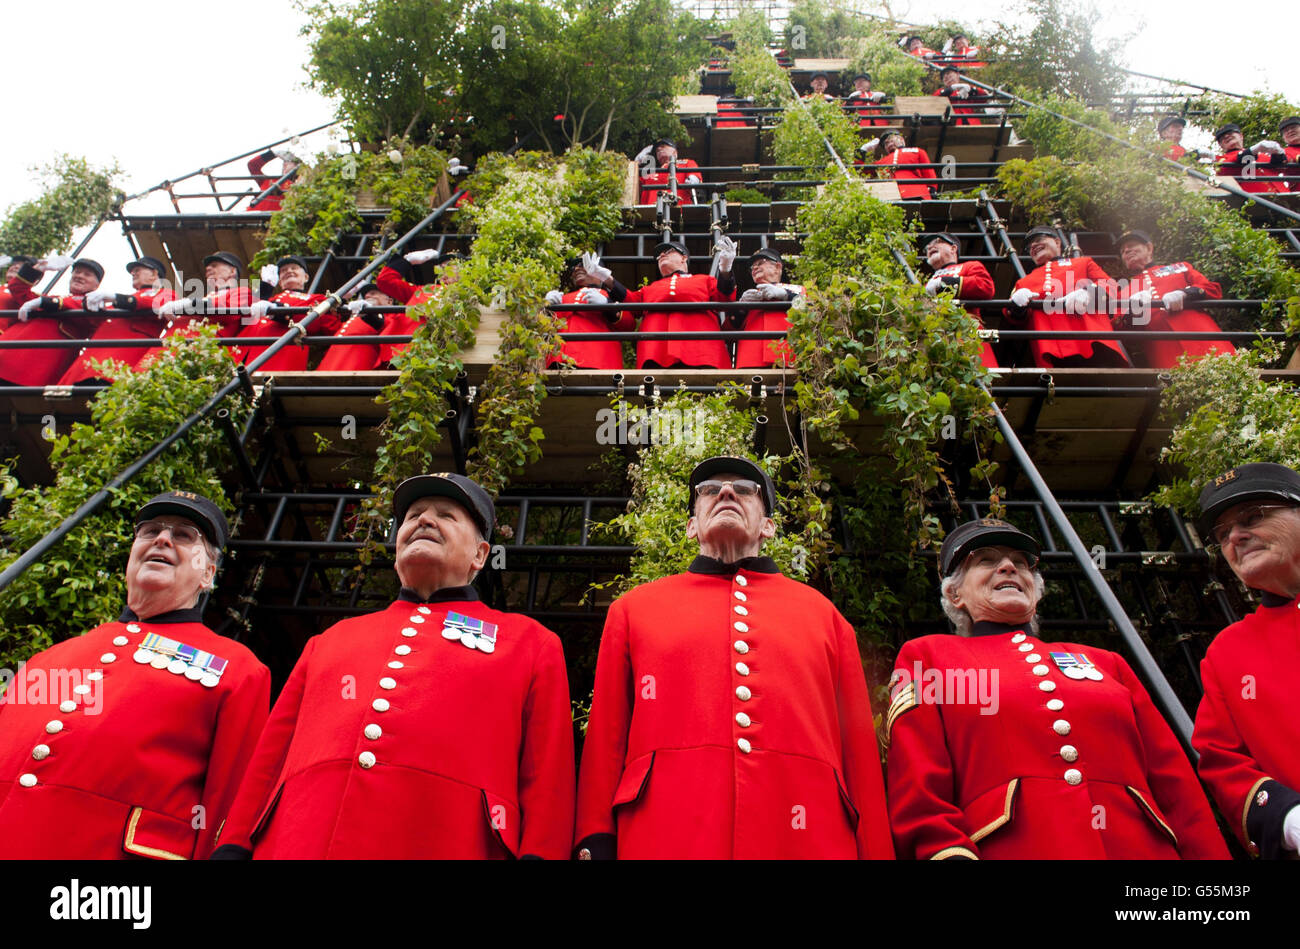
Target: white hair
pixel 960 617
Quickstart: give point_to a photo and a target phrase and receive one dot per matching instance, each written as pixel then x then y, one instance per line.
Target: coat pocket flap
pixel 158 836
pixel 502 816
pixel 633 782
pixel 991 810
pixel 847 801
pixel 1148 807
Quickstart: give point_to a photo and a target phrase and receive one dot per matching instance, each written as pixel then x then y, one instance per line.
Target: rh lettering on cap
pixel 186 494
pixel 1225 478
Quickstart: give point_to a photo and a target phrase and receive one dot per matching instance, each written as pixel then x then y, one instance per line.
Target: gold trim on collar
pixel 1001 819
pixel 130 846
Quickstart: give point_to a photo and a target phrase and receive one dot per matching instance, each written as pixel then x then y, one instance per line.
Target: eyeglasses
pixel 989 557
pixel 742 487
pixel 181 533
pixel 1246 520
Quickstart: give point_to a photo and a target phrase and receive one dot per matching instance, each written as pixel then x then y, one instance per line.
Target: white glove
pixel 693 179
pixel 1076 302
pixel 5 261
pixel 725 249
pixel 554 298
pixel 417 257
pixel 57 262
pixel 1291 829
pixel 591 264
pixel 773 291
pixel 1266 146
pixel 285 155
pixel 96 299
pixel 256 311
pixel 355 306
pixel 270 275
pixel 174 307
pixel 1021 297
pixel 1173 300
pixel 25 311
pixel 592 295
pixel 876 96
pixel 751 296
pixel 934 286
pixel 645 156
pixel 868 146
pixel 454 168
pixel 961 89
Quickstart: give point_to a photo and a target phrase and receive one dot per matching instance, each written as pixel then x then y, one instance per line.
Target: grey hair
pixel 958 615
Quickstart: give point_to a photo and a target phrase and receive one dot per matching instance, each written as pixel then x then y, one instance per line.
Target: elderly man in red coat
pixel 437 728
pixel 396 280
pixel 130 740
pixel 45 318
pixel 897 161
pixel 766 268
pixel 1247 727
pixel 583 281
pixel 1256 169
pixel 1174 286
pixel 12 266
pixel 284 283
pixel 730 716
pixel 123 316
pixel 964 98
pixel 679 285
pixel 967 280
pixel 1068 288
pixel 658 156
pixel 865 103
pixel 363 320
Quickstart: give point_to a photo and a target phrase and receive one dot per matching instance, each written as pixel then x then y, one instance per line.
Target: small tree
pixel 77 195
pixel 1057 53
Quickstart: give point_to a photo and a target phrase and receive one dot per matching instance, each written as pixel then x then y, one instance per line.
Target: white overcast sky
pixel 165 88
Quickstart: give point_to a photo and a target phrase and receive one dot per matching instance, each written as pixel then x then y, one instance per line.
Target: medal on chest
pixel 1076 665
pixel 179 659
pixel 472 633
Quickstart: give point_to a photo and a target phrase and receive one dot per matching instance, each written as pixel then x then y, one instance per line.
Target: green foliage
pixel 1053 136
pixel 749 30
pixel 756 75
pixel 869 342
pixel 79 583
pixel 322 204
pixel 1259 114
pixel 800 138
pixel 1053 48
pixel 745 196
pixel 1128 190
pixel 1225 414
pixel 702 426
pixel 818 29
pixel 77 194
pixel 892 71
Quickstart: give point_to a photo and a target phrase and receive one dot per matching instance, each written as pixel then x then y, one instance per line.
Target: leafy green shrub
pixel 1258 114
pixel 77 195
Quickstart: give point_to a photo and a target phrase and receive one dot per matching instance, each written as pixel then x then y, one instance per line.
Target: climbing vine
pixel 80 582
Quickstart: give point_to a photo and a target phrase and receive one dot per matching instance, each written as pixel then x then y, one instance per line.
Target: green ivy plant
pixel 1226 414
pixel 800 139
pixel 322 204
pixel 76 195
pixel 1259 114
pixel 80 583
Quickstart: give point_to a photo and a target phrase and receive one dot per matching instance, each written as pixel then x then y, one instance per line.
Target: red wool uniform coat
pixel 401 324
pixel 652 184
pixel 271 202
pixel 121 770
pixel 437 752
pixel 973 283
pixel 1026 781
pixel 761 353
pixel 292 358
pixel 730 720
pixel 971 104
pixel 1247 729
pixel 1175 151
pixel 860 106
pixel 131 317
pixel 36 367
pixel 228 324
pixel 1267 167
pixel 1164 353
pixel 596 354
pixel 896 164
pixel 682 288
pixel 361 357
pixel 1054 279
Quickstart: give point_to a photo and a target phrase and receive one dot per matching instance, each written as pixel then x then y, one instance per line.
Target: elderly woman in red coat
pixel 1005 746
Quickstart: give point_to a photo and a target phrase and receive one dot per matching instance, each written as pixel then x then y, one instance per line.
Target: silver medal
pixel 176 666
pixel 159 662
pixel 193 673
pixel 1093 673
pixel 486 645
pixel 450 632
pixel 143 656
pixel 468 640
pixel 209 680
pixel 1074 672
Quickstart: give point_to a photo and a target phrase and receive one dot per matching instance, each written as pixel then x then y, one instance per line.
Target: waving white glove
pixel 5 261
pixel 454 168
pixel 961 89
pixel 726 253
pixel 693 179
pixel 591 263
pixel 417 257
pixel 934 285
pixel 645 156
pixel 174 307
pixel 1174 300
pixel 96 299
pixel 57 262
pixel 1291 829
pixel 773 291
pixel 1021 297
pixel 286 156
pixel 270 275
pixel 25 311
pixel 554 298
pixel 869 146
pixel 355 306
pixel 592 295
pixel 751 296
pixel 256 311
pixel 1076 302
pixel 1266 145
pixel 876 96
